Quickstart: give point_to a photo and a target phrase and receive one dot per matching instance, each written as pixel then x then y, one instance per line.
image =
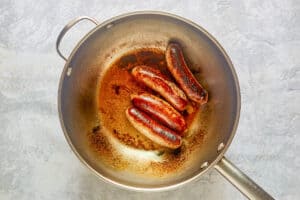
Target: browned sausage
pixel 155 80
pixel 182 74
pixel 152 129
pixel 160 110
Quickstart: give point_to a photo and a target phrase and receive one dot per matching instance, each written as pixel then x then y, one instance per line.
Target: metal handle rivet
pixel 204 165
pixel 221 146
pixel 69 71
pixel 109 26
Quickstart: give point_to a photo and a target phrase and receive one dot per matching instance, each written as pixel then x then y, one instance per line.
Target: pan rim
pixel 187 179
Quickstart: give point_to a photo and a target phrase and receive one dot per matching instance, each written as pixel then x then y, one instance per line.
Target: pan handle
pixel 241 181
pixel 67 28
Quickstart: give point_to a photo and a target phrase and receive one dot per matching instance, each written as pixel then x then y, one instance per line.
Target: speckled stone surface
pixel 261 37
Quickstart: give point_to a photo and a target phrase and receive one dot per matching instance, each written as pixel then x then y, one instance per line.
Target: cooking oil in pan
pixel 117 142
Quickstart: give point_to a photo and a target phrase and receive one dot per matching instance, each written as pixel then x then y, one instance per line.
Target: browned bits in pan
pixel 114 97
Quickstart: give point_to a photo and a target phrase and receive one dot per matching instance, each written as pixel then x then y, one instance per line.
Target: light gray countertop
pixel 261 37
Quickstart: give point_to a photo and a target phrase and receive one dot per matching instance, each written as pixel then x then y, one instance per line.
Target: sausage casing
pixel 152 129
pixel 155 80
pixel 182 74
pixel 160 110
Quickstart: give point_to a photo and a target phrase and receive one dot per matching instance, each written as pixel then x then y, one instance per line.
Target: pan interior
pixel 91 60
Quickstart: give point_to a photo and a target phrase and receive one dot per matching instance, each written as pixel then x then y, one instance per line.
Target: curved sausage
pixel 152 129
pixel 182 74
pixel 155 80
pixel 160 110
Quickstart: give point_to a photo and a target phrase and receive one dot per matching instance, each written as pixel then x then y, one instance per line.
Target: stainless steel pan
pixel 93 55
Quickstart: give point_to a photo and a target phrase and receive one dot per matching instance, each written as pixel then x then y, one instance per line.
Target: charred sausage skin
pixel 183 75
pixel 152 129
